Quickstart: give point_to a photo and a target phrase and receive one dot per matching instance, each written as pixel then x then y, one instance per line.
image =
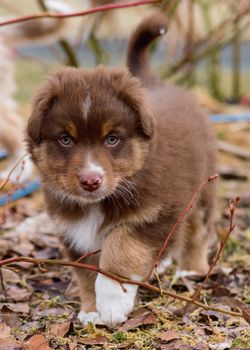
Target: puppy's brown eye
pixel 65 140
pixel 112 140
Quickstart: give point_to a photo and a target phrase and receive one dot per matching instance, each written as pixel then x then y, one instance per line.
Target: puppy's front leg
pixel 86 281
pixel 125 255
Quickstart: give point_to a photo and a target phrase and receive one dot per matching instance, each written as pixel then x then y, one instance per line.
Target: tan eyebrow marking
pixel 106 128
pixel 72 130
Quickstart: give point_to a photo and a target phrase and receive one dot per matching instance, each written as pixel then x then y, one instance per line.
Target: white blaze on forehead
pixel 92 166
pixel 86 106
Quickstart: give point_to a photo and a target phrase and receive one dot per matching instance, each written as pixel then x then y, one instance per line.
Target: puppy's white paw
pixel 86 317
pixel 112 301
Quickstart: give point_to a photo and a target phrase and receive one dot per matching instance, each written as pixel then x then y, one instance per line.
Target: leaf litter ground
pixel 39 304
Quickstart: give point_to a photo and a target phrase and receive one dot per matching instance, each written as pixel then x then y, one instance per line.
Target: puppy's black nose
pixel 90 182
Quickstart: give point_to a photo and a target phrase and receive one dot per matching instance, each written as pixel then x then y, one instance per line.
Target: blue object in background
pixel 20 193
pixel 229 118
pixel 3 154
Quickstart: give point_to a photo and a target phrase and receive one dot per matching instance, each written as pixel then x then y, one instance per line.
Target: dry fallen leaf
pixel 169 335
pixel 9 344
pixel 9 275
pixel 146 318
pixel 37 342
pixel 170 346
pixel 98 340
pixel 9 317
pixel 18 294
pixel 19 308
pixel 231 301
pixel 4 331
pixel 59 329
pixel 24 248
pixel 246 313
pixel 4 246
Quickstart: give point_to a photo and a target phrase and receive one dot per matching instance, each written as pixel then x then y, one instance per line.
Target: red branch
pixel 179 220
pixel 102 8
pixel 87 255
pixel 232 207
pixel 43 262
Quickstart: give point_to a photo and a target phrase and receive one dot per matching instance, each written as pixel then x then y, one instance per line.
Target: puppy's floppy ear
pixel 41 105
pixel 131 91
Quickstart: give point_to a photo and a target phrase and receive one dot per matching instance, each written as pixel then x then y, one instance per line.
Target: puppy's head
pixel 89 132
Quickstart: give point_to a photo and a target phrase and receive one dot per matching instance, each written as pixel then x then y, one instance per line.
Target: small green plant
pixel 118 337
pixel 239 343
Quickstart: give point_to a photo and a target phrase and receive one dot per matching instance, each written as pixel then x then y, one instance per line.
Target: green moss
pixel 239 343
pixel 246 295
pixel 118 337
pixel 233 247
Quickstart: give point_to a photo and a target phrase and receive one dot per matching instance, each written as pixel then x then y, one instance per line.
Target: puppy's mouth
pixel 95 196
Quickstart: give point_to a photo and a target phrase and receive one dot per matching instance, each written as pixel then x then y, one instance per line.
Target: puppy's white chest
pixel 83 235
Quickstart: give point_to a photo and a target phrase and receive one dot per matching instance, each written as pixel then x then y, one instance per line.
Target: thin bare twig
pixel 78 13
pixel 212 41
pixel 158 280
pixel 4 183
pixel 179 220
pixel 87 255
pixel 232 207
pixel 119 279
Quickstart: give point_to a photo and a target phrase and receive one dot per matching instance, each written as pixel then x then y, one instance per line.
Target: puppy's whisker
pixel 125 192
pixel 131 186
pixel 129 192
pixel 127 199
pixel 127 195
pixel 123 196
pixel 116 200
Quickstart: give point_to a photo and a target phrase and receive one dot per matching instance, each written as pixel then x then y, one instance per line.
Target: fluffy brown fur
pixel 119 159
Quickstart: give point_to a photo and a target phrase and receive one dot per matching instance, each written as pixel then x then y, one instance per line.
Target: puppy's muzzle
pixel 91 182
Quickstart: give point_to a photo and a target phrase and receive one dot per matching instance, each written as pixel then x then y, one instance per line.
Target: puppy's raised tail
pixel 138 48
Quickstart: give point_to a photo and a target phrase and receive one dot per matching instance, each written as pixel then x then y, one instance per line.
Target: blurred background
pixel 207 44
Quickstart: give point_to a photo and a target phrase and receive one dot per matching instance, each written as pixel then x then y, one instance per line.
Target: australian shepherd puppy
pixel 120 154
